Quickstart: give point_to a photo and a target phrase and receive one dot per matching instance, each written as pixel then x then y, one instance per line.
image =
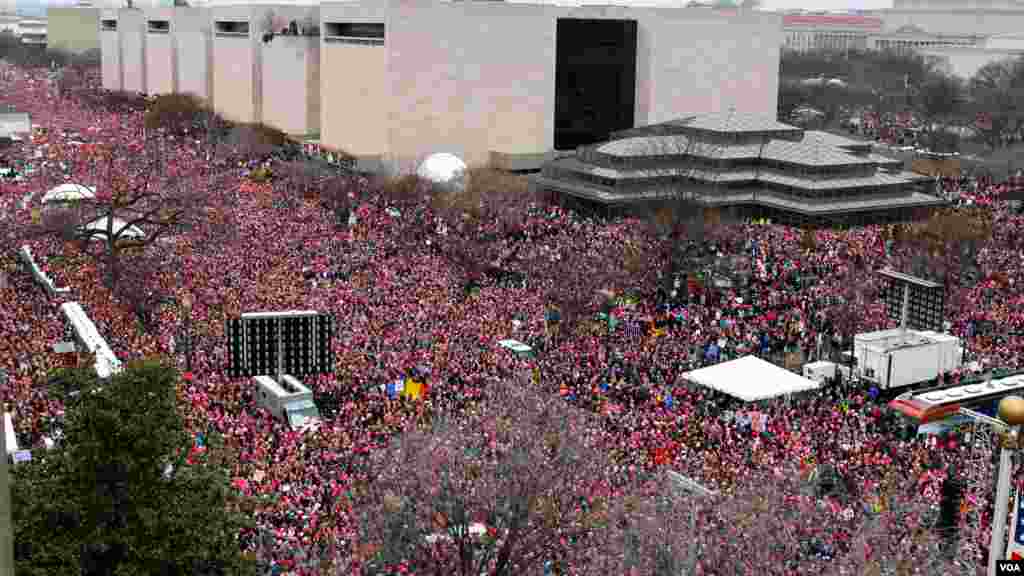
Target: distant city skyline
pixel 38 7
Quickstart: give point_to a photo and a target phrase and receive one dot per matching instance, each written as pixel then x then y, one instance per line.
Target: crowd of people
pixel 400 309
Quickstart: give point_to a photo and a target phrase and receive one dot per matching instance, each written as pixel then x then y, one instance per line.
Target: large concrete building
pixel 982 17
pixel 390 81
pixel 221 54
pixel 74 30
pixel 111 71
pixel 841 32
pixel 747 161
pixel 510 83
pixel 256 70
pixel 965 61
pixel 32 31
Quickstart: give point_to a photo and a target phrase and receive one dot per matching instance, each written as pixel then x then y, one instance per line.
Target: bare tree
pixel 997 89
pixel 522 483
pixel 142 196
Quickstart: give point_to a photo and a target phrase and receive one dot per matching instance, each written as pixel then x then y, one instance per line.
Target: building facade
pixel 240 41
pixel 748 161
pixel 980 17
pixel 74 30
pixel 161 66
pixel 131 32
pixel 506 82
pixel 965 61
pixel 491 82
pixel 192 34
pixel 9 23
pixel 111 71
pixel 907 39
pixel 810 32
pixel 32 31
pixel 220 54
pixel 291 74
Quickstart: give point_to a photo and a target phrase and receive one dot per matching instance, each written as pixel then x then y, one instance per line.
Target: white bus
pixel 88 339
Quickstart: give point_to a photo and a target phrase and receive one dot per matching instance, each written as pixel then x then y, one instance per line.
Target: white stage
pixel 750 379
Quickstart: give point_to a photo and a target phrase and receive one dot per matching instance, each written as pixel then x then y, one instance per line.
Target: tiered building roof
pixel 731 158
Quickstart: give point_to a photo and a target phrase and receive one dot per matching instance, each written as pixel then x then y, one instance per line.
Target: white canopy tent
pixel 750 379
pixel 101 224
pixel 69 193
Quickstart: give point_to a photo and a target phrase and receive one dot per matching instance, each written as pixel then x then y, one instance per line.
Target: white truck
pixel 288 400
pixel 897 359
pixel 820 372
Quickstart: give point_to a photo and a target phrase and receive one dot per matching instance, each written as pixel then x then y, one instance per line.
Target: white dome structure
pixel 444 169
pixel 68 193
pixel 101 224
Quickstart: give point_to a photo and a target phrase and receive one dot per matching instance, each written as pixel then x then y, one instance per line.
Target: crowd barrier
pixel 88 338
pixel 41 277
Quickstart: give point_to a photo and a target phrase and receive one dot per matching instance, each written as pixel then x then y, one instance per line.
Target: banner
pixel 412 389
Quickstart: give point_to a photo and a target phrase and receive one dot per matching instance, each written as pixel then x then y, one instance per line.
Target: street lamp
pixel 1011 411
pixel 186 329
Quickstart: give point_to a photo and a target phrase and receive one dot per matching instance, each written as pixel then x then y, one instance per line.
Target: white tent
pixel 101 224
pixel 68 193
pixel 750 379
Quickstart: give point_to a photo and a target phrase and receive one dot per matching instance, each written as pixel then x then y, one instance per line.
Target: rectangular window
pixel 363 33
pixel 159 26
pixel 226 28
pixel 108 25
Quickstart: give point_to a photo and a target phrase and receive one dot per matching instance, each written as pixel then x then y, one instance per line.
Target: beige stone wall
pixel 110 55
pixel 193 51
pixel 131 27
pixel 288 75
pixel 73 29
pixel 473 78
pixel 313 88
pixel 354 105
pixel 234 78
pixel 160 55
pixel 467 78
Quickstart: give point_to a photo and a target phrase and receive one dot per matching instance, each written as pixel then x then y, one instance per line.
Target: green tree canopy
pixel 103 501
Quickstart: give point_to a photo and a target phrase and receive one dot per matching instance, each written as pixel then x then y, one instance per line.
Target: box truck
pixel 898 359
pixel 289 400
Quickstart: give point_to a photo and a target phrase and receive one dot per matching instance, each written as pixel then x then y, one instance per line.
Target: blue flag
pixel 711 353
pixel 200 440
pixel 668 401
pixel 604 386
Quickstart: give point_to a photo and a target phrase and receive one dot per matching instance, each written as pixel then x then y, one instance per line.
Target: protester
pixel 399 309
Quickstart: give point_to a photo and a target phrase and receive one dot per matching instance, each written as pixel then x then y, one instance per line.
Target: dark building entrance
pixel 595 80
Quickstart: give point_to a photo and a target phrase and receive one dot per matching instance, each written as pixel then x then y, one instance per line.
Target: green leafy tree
pixel 121 494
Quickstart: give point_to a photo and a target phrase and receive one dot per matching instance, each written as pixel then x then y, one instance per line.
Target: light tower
pixel 1011 411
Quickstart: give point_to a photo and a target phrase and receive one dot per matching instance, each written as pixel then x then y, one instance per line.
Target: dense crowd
pixel 401 309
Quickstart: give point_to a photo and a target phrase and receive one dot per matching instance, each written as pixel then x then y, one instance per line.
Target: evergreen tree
pixel 124 492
